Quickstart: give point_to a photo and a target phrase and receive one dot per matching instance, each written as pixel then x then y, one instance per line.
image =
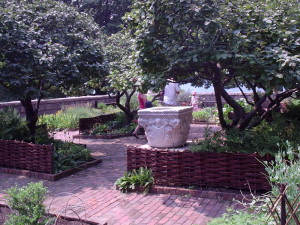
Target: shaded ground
pixel 91 194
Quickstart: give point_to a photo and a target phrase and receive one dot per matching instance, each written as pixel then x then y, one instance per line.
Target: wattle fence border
pixel 207 169
pixel 28 156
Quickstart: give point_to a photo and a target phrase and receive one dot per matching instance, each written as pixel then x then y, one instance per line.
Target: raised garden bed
pixel 198 193
pixel 185 168
pixel 112 136
pixel 61 220
pixel 86 124
pixel 33 160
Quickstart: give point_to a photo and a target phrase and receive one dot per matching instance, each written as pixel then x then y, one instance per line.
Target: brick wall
pixel 49 106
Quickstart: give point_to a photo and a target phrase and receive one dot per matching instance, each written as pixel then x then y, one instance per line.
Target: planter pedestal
pixel 166 127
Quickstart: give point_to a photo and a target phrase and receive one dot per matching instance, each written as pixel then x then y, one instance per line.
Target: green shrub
pixel 293 109
pixel 116 126
pixel 240 218
pixel 68 155
pixel 137 178
pixel 261 139
pixel 201 115
pixel 27 202
pixel 284 170
pixel 184 97
pixel 12 126
pixel 68 118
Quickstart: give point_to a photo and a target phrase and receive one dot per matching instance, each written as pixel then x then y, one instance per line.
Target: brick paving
pixel 90 194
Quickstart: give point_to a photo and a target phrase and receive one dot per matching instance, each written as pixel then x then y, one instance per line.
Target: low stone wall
pixel 49 106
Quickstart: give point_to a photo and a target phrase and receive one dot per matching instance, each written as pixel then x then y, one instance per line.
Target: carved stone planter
pixel 166 127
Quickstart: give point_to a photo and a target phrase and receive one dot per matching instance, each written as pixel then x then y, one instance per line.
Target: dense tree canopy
pixel 107 13
pixel 224 44
pixel 46 45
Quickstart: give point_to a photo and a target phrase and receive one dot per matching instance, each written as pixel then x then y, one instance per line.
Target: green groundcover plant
pixel 12 126
pixel 284 170
pixel 136 178
pixel 68 118
pixel 27 204
pixel 118 126
pixel 262 139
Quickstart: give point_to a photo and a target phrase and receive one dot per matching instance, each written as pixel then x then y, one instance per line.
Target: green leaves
pixel 137 178
pixel 28 204
pixel 47 44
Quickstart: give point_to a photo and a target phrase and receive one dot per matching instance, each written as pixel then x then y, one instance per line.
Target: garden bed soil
pixel 62 220
pixel 50 177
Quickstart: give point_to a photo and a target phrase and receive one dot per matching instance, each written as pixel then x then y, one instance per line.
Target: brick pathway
pixel 91 194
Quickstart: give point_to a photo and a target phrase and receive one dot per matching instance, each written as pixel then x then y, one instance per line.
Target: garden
pixel 64 48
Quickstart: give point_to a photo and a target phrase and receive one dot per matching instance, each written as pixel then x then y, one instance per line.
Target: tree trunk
pixel 126 108
pixel 31 116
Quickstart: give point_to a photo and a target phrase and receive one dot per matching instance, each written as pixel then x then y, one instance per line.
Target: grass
pixel 68 118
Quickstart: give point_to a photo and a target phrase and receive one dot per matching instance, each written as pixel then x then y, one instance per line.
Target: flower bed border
pixel 198 193
pixel 185 168
pixel 82 136
pixel 64 217
pixel 47 176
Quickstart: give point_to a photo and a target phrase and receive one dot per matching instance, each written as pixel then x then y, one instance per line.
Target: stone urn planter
pixel 166 127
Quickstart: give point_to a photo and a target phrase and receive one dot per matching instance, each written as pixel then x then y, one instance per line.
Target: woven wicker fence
pixel 88 123
pixel 28 156
pixel 185 168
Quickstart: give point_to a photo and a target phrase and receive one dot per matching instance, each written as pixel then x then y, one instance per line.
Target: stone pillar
pixel 166 127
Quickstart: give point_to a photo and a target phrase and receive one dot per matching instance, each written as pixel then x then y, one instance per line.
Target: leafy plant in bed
pixel 262 139
pixel 115 127
pixel 136 179
pixel 66 155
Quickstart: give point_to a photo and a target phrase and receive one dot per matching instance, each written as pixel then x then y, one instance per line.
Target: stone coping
pixel 59 100
pixel 47 176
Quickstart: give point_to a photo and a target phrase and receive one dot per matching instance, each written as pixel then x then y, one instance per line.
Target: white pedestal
pixel 166 127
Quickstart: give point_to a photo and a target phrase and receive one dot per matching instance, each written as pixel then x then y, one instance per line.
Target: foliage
pixel 12 126
pixel 46 46
pixel 124 78
pixel 27 201
pixel 238 218
pixel 107 13
pixel 221 44
pixel 136 178
pixel 68 155
pixel 293 109
pixel 184 97
pixel 201 115
pixel 115 127
pixel 284 170
pixel 261 139
pixel 68 118
pixel 227 109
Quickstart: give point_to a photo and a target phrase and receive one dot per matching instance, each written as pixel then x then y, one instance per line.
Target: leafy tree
pixel 124 78
pixel 107 13
pixel 222 43
pixel 46 44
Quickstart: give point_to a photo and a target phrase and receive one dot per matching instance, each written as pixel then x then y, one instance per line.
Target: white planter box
pixel 166 127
